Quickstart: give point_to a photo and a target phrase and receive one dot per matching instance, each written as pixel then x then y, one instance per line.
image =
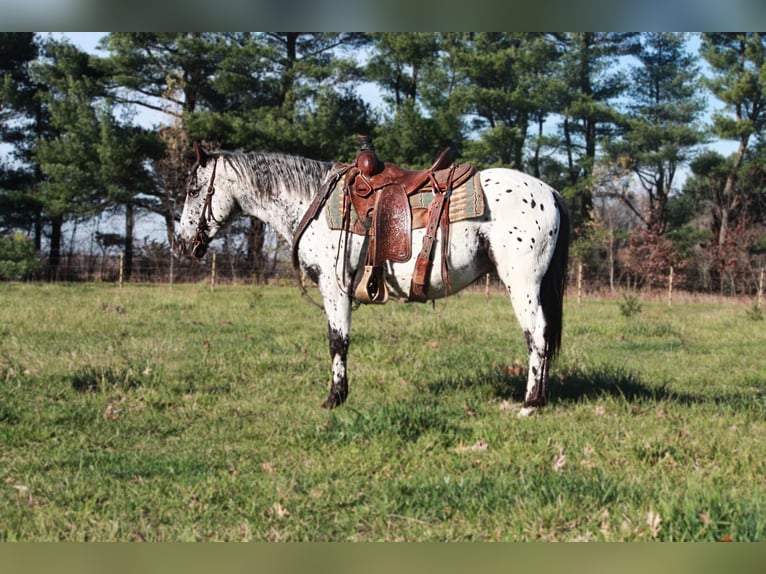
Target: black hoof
pixel 334 400
pixel 535 402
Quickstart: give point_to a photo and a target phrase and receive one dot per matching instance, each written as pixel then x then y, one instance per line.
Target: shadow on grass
pixel 92 379
pixel 577 385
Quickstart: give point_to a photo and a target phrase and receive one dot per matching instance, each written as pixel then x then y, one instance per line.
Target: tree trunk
pixel 54 255
pixel 129 224
pixel 255 256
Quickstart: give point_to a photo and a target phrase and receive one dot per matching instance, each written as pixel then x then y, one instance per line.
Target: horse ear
pixel 201 154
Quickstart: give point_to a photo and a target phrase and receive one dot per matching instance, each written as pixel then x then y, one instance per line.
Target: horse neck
pixel 281 207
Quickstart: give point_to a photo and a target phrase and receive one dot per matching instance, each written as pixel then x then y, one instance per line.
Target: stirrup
pixel 372 286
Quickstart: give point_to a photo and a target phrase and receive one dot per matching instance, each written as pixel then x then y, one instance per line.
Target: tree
pixel 286 92
pixel 503 82
pixel 738 64
pixel 168 72
pixel 278 91
pixel 66 155
pixel 593 84
pixel 399 63
pixel 21 124
pixel 125 153
pixel 662 128
pixel 417 84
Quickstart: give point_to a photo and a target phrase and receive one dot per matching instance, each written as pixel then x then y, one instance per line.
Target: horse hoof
pixel 333 401
pixel 526 411
pixel 329 404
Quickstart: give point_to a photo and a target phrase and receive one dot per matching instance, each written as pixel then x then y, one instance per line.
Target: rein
pixel 201 239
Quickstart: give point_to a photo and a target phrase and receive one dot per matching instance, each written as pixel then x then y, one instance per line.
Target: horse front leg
pixel 338 354
pixel 338 310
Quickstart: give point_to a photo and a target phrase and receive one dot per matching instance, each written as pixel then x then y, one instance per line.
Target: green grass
pixel 173 413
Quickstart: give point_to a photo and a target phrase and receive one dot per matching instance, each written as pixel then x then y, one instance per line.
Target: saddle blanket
pixel 466 202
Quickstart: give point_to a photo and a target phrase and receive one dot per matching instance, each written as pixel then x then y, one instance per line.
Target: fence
pixel 158 265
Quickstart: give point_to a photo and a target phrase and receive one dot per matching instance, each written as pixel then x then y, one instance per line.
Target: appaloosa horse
pixel 523 234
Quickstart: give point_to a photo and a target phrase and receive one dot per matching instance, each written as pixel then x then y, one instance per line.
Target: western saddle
pixel 379 193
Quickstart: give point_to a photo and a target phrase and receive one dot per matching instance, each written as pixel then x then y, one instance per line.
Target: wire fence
pixel 225 268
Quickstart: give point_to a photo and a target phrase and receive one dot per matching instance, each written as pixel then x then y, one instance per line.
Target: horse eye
pixel 193 188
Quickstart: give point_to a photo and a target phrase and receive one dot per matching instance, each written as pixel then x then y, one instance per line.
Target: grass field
pixel 173 413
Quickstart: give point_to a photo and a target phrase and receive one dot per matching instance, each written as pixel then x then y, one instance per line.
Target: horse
pixel 523 235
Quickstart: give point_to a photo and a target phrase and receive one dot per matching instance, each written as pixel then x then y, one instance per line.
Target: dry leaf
pixel 280 510
pixel 560 461
pixel 604 526
pixel 479 446
pixel 654 521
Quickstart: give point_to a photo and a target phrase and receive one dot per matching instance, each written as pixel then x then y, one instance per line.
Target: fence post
pixel 579 282
pixel 760 290
pixel 172 263
pixel 122 267
pixel 670 287
pixel 212 274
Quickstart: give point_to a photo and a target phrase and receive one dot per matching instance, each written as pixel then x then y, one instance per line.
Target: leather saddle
pixel 379 194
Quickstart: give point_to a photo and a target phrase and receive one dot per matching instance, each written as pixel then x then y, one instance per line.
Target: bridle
pixel 201 239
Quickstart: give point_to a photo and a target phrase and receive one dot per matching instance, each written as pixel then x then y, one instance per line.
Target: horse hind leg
pixel 538 347
pixel 525 299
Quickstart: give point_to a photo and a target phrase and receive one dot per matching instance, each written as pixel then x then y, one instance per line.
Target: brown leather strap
pixel 438 216
pixel 421 273
pixel 315 207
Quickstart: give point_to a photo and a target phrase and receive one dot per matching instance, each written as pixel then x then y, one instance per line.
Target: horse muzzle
pixel 196 248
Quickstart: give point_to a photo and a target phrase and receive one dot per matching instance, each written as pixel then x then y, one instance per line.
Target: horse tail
pixel 554 281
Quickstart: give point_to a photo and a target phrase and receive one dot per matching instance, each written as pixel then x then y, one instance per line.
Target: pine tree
pixel 738 63
pixel 663 128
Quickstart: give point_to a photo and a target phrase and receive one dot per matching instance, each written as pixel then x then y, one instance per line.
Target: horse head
pixel 206 208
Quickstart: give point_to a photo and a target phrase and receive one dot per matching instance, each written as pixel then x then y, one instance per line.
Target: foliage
pixel 581 110
pixel 630 306
pixel 649 256
pixel 18 259
pixel 755 313
pixel 663 118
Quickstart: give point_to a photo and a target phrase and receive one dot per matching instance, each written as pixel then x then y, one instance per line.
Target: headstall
pixel 201 239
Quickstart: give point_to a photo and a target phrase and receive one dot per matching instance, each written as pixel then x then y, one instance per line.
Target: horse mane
pixel 267 171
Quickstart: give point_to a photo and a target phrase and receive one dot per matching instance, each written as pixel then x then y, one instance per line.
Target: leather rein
pixel 201 240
